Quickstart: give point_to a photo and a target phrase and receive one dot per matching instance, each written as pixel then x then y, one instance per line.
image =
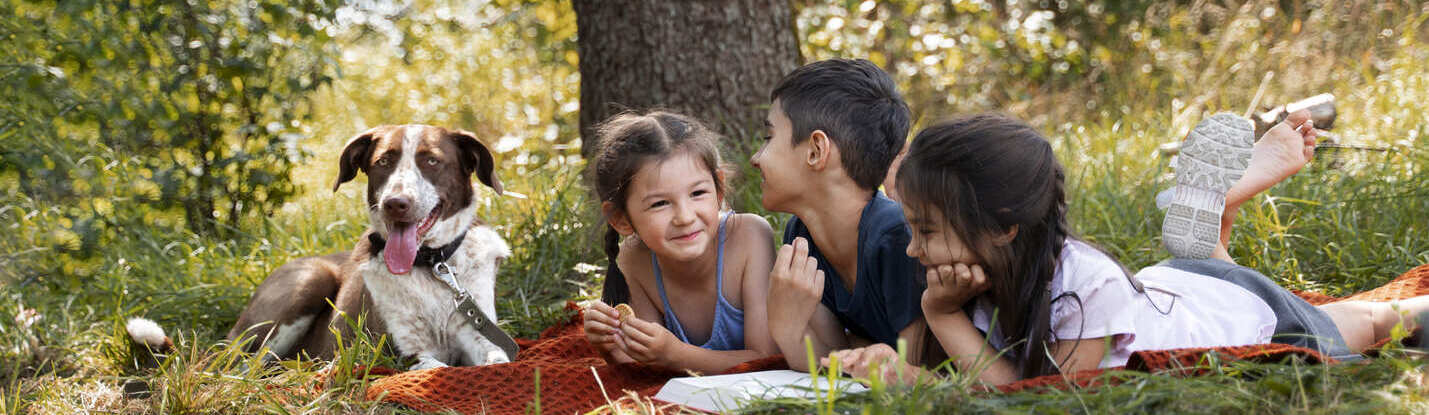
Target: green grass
pixel 1350 222
pixel 1236 388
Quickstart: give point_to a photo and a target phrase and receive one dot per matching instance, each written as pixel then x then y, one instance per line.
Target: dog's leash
pixel 467 307
pixel 465 304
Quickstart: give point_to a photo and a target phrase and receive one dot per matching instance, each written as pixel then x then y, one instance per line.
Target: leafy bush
pixel 170 115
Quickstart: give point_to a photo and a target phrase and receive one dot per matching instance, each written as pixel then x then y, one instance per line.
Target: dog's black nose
pixel 396 206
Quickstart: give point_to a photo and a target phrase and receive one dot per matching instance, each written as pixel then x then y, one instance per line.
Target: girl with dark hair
pixel 696 279
pixel 1012 293
pixel 984 199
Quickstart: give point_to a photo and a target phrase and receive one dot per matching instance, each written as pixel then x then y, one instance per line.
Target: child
pixel 834 128
pixel 985 199
pixel 660 185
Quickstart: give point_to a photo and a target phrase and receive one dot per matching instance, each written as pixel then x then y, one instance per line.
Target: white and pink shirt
pixel 1177 309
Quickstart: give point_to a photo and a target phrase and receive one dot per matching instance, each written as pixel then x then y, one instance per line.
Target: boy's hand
pixel 950 286
pixel 861 362
pixel 795 287
pixel 602 323
pixel 646 342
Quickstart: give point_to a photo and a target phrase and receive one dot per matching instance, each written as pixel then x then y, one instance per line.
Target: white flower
pixel 585 268
pixel 27 317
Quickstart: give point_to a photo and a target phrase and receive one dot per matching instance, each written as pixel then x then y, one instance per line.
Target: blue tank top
pixel 727 332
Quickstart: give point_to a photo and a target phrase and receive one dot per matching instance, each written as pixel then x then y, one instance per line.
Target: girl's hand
pixel 602 323
pixel 950 286
pixel 646 342
pixel 860 362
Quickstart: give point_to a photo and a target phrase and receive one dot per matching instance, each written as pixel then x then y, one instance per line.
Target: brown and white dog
pixel 420 201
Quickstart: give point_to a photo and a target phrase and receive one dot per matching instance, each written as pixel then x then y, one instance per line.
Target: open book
pixel 728 392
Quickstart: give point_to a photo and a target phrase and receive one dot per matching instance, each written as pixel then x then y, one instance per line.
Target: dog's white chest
pixel 419 310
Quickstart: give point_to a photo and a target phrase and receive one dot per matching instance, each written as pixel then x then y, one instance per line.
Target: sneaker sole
pixel 1212 159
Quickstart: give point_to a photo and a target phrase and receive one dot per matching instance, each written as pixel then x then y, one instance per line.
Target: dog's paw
pixel 497 356
pixel 426 362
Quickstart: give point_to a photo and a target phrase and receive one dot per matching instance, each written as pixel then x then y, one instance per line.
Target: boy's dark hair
pixel 627 142
pixel 853 102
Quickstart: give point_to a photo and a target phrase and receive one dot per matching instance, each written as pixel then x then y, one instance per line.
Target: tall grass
pixel 1348 222
pixel 1351 221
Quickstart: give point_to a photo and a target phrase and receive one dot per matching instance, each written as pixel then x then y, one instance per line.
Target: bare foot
pixel 1281 152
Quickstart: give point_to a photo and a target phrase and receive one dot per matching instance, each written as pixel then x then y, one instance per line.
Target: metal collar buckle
pixel 443 271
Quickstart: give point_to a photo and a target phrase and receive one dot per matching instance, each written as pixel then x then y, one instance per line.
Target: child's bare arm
pixel 645 307
pixel 969 350
pixel 826 334
pixel 641 306
pixel 796 286
pixel 949 287
pixel 758 241
pixel 1079 354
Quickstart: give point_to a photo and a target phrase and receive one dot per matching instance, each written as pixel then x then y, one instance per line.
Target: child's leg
pixel 1281 152
pixel 1362 323
pixel 1298 323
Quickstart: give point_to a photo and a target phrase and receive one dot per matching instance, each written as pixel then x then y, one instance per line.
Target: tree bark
pixel 714 60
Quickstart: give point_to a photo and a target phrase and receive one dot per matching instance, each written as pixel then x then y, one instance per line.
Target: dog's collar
pixel 426 257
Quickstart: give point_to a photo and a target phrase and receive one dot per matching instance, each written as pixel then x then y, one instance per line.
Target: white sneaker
pixel 1212 159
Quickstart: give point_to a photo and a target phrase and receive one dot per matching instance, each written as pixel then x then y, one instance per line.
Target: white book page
pixel 727 392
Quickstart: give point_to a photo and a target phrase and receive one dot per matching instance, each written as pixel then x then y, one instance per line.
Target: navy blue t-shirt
pixel 886 296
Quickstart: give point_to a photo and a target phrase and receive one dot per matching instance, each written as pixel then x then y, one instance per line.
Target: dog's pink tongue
pixel 401 249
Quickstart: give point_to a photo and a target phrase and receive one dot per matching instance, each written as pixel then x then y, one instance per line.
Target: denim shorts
pixel 1297 322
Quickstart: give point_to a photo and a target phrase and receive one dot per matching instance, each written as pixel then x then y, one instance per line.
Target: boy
pixel 834 129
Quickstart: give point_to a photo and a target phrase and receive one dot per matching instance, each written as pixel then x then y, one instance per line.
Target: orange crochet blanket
pixel 560 367
pixel 568 375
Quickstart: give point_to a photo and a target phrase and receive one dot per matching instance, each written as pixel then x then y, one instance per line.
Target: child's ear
pixel 617 219
pixel 1006 238
pixel 821 147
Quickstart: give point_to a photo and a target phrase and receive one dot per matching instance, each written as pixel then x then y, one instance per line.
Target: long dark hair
pixel 627 142
pixel 986 174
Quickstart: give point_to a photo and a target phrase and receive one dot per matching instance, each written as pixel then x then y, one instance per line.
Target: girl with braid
pixel 695 277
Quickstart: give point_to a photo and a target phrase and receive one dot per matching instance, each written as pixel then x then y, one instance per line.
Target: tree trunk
pixel 714 60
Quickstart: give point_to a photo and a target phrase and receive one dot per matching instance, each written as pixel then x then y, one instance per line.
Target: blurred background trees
pixel 161 157
pixel 147 145
pixel 156 116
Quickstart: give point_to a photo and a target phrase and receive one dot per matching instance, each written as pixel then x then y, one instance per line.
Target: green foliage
pixel 1235 387
pixel 552 235
pixel 447 63
pixel 1057 63
pixel 166 114
pixel 101 131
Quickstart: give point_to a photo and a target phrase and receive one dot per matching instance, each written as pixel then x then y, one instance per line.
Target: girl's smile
pixel 689 236
pixel 672 205
pixel 933 242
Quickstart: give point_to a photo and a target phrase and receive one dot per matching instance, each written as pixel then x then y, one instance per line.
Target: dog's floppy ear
pixel 476 157
pixel 354 157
